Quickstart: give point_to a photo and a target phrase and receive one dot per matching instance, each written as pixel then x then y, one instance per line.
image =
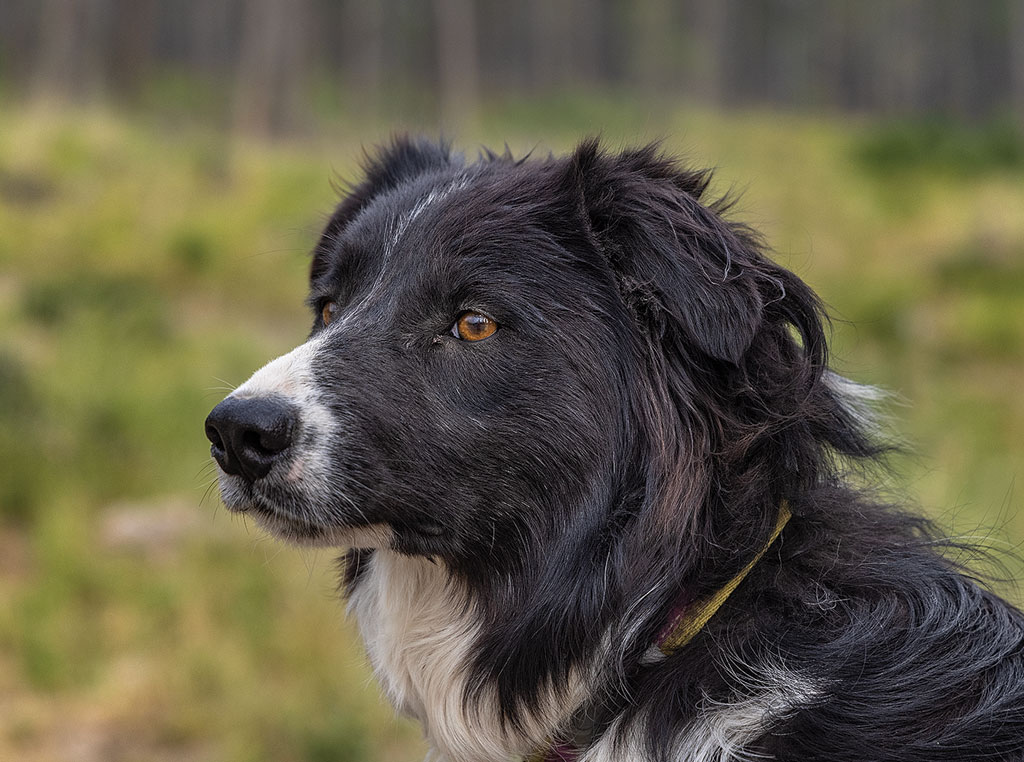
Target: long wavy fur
pixel 854 638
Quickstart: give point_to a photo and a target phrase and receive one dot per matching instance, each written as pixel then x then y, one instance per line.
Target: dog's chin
pixel 242 497
pixel 308 535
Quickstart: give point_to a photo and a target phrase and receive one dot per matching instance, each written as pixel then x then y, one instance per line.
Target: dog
pixel 580 441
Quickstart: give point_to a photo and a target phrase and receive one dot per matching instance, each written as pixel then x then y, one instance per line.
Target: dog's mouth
pixel 288 528
pixel 251 498
pixel 242 496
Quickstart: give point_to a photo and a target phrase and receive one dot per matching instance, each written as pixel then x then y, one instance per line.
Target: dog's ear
pixel 678 263
pixel 402 159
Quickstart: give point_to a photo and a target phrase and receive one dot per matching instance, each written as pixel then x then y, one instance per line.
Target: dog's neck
pixel 419 628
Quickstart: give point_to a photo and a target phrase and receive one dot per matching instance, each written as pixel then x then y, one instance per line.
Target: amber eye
pixel 473 326
pixel 328 312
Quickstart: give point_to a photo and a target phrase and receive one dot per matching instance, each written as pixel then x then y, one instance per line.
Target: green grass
pixel 144 268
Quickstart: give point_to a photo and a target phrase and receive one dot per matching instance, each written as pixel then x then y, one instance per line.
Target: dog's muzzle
pixel 248 435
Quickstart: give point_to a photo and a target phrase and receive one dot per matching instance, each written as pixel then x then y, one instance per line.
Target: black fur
pixel 657 387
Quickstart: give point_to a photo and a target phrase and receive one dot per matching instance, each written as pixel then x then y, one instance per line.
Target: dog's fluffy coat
pixel 526 512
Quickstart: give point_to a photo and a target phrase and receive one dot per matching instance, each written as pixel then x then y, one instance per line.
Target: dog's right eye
pixel 328 311
pixel 473 326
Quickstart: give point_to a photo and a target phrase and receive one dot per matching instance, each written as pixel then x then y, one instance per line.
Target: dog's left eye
pixel 473 326
pixel 328 311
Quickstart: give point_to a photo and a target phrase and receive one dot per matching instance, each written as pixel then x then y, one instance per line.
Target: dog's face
pixel 461 385
pixel 504 357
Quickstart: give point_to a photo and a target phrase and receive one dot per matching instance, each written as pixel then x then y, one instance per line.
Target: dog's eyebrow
pixel 337 277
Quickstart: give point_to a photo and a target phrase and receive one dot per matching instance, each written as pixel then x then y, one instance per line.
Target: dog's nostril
pixel 251 441
pixel 248 436
pixel 214 436
pixel 268 442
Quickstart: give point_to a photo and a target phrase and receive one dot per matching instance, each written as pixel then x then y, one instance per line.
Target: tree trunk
pixel 363 39
pixel 271 71
pixel 1016 34
pixel 131 49
pixel 458 66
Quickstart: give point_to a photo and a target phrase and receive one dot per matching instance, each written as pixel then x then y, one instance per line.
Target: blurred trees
pixel 272 64
pixel 944 57
pixel 458 64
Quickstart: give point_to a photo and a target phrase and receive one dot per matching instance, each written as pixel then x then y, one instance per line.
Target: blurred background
pixel 165 166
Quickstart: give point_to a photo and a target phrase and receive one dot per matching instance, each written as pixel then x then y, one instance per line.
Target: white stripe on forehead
pixel 403 222
pixel 396 229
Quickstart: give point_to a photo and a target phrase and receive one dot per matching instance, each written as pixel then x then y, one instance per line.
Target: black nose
pixel 248 435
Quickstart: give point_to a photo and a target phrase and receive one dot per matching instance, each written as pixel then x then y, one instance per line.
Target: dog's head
pixel 510 360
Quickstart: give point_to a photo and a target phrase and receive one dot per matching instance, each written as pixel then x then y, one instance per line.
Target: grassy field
pixel 145 268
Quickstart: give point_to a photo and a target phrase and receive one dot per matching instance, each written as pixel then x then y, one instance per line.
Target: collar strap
pixel 691 618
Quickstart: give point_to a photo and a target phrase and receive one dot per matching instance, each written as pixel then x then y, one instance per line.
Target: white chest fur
pixel 419 630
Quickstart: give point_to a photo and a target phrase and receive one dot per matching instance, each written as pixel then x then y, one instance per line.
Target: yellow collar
pixel 692 618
